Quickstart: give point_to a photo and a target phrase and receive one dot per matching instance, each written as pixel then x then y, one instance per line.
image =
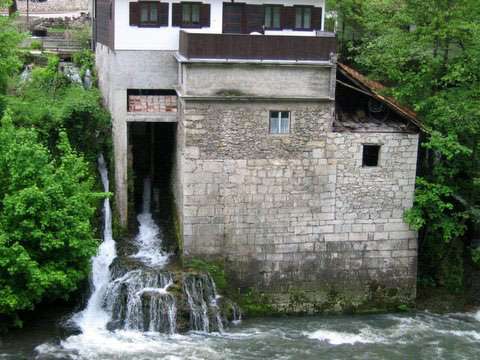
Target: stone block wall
pixel 370 239
pixel 296 212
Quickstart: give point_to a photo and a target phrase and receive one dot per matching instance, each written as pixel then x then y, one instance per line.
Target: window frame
pixel 279 119
pixel 149 5
pixel 302 8
pixel 364 151
pixel 190 4
pixel 271 7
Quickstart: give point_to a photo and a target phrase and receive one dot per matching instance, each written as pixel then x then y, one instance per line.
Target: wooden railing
pixel 260 47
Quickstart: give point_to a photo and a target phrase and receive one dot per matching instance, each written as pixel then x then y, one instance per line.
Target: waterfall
pixel 204 304
pixel 94 316
pixel 148 240
pixel 139 300
pixel 134 292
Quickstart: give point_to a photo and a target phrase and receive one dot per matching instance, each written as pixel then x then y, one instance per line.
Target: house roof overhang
pixel 373 89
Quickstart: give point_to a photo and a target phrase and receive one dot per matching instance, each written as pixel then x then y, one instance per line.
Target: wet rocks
pixel 174 300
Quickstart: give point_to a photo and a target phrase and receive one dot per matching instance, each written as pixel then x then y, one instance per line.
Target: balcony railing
pixel 256 47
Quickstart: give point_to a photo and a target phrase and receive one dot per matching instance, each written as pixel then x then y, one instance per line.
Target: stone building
pixel 291 168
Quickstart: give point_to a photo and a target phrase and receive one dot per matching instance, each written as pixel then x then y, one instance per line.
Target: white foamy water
pixel 477 316
pixel 149 239
pixel 94 317
pixel 339 338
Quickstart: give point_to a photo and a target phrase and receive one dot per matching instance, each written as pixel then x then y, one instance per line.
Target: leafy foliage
pixel 10 61
pixel 49 141
pixel 47 100
pixel 46 238
pixel 85 60
pixel 80 34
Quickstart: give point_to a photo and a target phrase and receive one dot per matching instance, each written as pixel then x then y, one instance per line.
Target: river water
pixel 407 336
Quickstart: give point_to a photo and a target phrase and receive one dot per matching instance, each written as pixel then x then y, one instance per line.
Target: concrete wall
pixel 167 38
pixel 146 69
pixel 256 79
pixel 296 212
pixel 117 72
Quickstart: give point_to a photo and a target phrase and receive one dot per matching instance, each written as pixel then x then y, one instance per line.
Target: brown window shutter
pixel 317 18
pixel 205 15
pixel 255 18
pixel 176 14
pixel 288 17
pixel 134 14
pixel 163 14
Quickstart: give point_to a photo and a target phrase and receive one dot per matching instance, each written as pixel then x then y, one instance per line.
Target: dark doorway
pixel 153 148
pixel 233 18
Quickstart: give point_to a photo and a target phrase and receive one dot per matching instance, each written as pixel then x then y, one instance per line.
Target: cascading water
pixel 132 292
pixel 140 301
pixel 149 241
pixel 94 317
pixel 203 300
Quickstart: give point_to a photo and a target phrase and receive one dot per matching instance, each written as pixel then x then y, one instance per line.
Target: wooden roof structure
pixel 373 89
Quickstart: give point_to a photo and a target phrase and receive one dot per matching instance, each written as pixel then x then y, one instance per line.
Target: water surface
pixel 405 336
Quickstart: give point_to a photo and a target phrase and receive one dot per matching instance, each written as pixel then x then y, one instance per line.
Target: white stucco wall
pixel 167 38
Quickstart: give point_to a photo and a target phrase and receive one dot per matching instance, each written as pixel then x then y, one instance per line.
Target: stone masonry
pixel 298 211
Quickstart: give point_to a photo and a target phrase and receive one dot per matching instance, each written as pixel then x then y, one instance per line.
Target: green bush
pixel 46 237
pixel 85 60
pixel 80 34
pixel 36 45
pixel 49 101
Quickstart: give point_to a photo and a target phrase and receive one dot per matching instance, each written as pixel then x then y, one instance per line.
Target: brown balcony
pixel 256 47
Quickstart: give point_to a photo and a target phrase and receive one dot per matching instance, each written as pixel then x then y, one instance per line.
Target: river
pixel 417 335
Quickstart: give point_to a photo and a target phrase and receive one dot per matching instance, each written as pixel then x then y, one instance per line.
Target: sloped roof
pixel 372 87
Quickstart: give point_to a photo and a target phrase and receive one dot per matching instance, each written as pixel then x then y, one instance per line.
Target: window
pixel 190 15
pixel 273 17
pixel 303 17
pixel 370 155
pixel 279 122
pixel 148 13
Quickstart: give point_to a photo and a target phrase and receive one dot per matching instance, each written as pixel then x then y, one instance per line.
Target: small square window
pixel 370 155
pixel 279 122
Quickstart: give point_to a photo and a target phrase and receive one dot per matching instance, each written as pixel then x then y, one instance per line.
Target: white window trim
pixel 279 122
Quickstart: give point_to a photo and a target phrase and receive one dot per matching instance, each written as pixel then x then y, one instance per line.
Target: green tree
pixel 429 52
pixel 46 238
pixel 10 62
